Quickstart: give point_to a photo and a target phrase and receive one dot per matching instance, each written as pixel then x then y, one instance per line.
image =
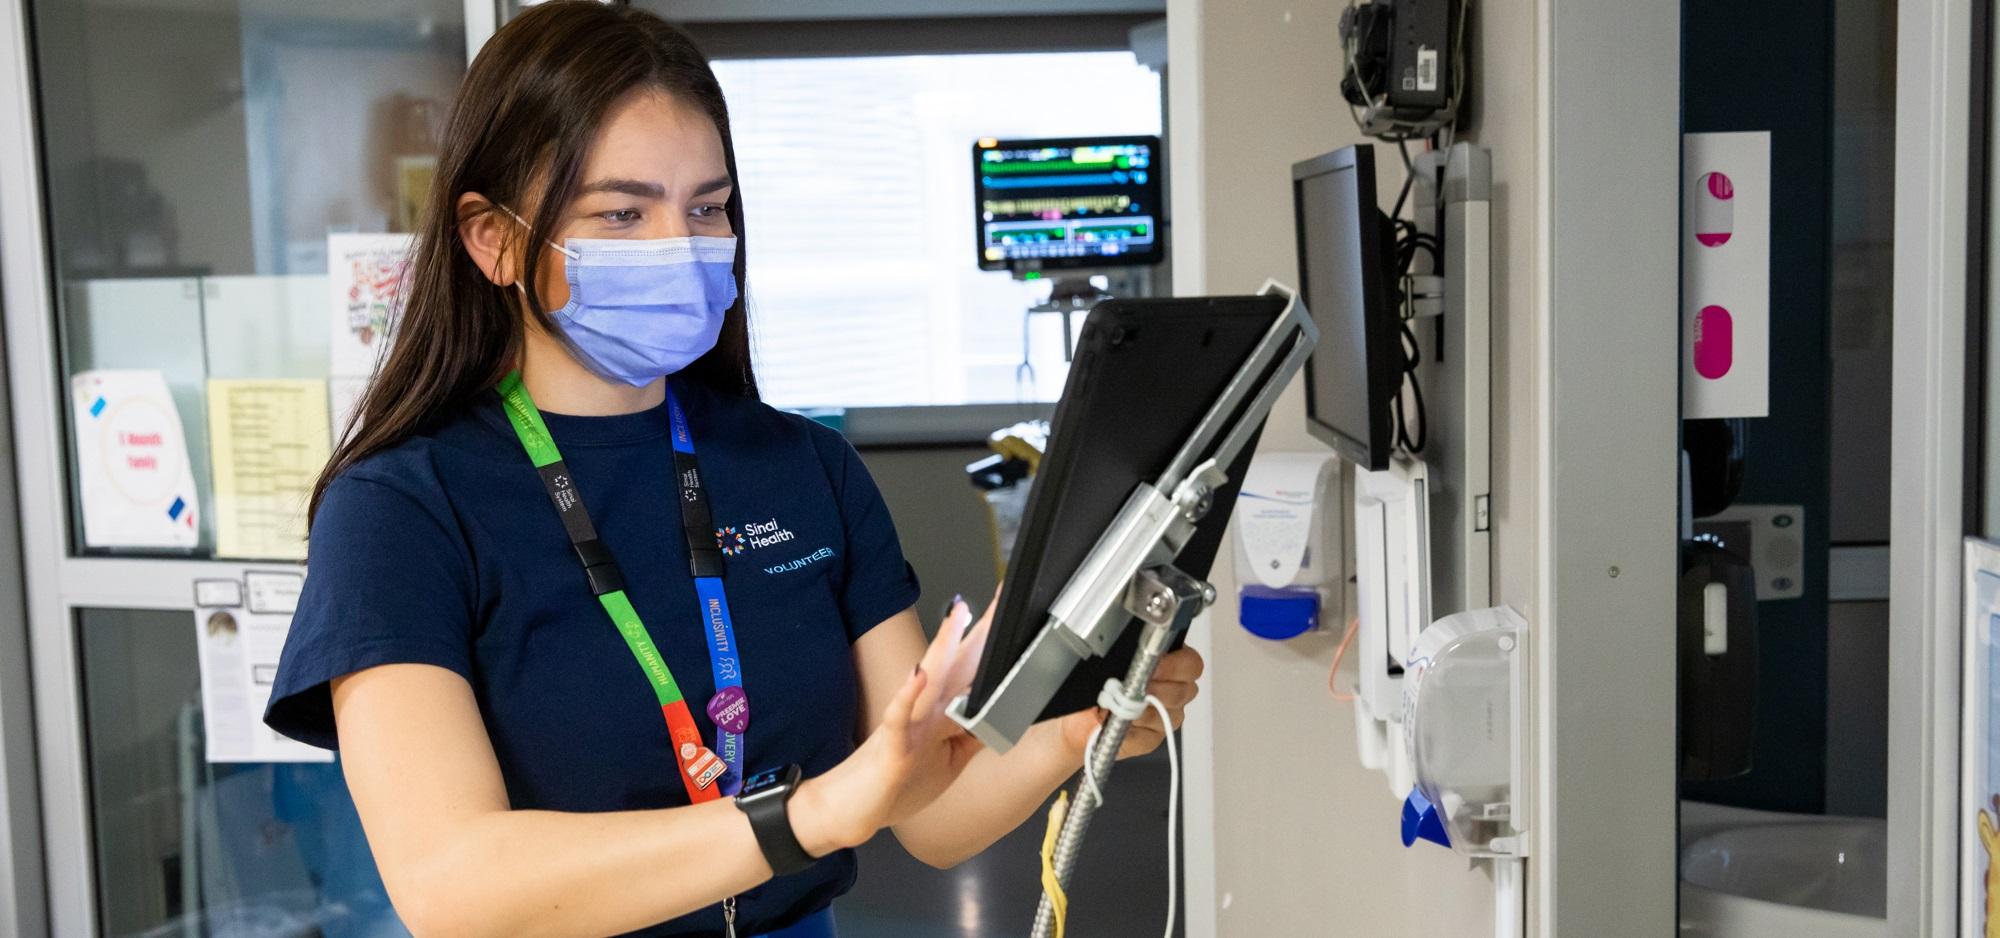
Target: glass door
pixel 211 176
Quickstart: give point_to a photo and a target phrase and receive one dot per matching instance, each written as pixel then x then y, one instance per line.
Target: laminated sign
pixel 1726 275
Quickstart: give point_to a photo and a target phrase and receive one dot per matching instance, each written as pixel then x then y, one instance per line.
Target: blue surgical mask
pixel 640 310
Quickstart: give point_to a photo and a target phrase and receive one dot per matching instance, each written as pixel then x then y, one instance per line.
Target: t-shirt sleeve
pixel 879 582
pixel 388 580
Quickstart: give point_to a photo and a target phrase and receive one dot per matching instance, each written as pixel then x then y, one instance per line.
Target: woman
pixel 572 586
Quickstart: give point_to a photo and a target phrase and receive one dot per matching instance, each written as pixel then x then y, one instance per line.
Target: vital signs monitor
pixel 1076 202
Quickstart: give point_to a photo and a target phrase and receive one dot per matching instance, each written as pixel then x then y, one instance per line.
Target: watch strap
pixel 770 819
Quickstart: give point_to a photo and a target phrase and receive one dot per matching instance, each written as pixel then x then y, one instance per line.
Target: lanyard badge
pixel 701 768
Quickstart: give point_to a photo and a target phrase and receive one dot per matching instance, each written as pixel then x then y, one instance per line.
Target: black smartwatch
pixel 763 798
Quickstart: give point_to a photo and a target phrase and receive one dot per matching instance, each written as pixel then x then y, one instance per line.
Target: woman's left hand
pixel 1173 682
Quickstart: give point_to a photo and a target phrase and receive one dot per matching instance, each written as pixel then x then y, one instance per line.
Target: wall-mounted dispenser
pixel 1718 660
pixel 1463 720
pixel 1731 557
pixel 1288 544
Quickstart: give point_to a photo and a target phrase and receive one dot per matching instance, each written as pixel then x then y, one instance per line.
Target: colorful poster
pixel 132 462
pixel 1979 769
pixel 268 443
pixel 365 277
pixel 1726 275
pixel 240 628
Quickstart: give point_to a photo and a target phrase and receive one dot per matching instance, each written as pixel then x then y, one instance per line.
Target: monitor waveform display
pixel 1081 202
pixel 1055 208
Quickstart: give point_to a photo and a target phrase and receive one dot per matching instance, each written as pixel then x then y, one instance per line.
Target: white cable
pixel 1112 698
pixel 1090 780
pixel 1173 787
pixel 1173 811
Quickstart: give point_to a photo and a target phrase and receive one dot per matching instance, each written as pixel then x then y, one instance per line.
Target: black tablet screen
pixel 1146 372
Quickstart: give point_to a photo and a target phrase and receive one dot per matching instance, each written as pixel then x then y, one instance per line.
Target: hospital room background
pixel 1694 294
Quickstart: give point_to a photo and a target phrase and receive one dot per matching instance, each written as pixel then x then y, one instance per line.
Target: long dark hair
pixel 528 110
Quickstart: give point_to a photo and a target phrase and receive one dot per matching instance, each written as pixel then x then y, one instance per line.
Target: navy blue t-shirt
pixel 445 550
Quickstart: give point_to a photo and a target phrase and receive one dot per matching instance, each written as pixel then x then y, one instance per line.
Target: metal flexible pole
pixel 1154 642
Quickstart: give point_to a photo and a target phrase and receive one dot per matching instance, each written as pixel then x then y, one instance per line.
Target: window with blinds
pixel 857 185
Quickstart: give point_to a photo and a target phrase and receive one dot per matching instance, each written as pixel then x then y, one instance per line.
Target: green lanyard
pixel 700 767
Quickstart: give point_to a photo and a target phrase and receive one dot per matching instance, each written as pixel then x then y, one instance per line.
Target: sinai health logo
pixel 735 540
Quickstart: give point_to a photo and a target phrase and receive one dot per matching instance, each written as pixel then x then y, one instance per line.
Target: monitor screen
pixel 1067 203
pixel 1342 273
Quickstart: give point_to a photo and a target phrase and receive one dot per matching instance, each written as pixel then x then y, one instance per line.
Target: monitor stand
pixel 1072 292
pixel 1069 296
pixel 1166 600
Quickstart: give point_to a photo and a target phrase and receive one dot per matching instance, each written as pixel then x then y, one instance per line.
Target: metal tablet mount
pixel 1130 573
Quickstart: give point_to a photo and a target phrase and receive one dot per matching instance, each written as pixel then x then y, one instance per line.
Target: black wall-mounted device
pixel 1401 59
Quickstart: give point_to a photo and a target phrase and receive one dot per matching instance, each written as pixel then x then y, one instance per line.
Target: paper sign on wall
pixel 132 461
pixel 346 396
pixel 268 442
pixel 365 277
pixel 240 644
pixel 1979 756
pixel 1726 275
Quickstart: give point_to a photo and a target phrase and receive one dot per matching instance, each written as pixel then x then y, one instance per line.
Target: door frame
pixel 23 903
pixel 1605 839
pixel 48 879
pixel 1935 147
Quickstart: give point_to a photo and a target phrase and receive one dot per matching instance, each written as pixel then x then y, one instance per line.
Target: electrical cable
pixel 1401 197
pixel 1412 356
pixel 1053 886
pixel 1052 883
pixel 1409 242
pixel 1173 811
pixel 1340 652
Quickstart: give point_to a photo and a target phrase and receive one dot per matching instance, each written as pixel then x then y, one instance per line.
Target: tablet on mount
pixel 1147 447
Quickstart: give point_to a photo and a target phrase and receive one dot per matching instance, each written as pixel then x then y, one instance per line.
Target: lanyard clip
pixel 599 567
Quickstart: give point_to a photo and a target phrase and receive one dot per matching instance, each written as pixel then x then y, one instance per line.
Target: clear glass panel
pixel 198 155
pixel 185 847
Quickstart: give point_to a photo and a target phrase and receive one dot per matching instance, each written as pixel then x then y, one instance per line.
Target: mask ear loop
pixel 572 255
pixel 566 252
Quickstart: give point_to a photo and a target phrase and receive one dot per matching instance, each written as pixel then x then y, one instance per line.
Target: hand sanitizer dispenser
pixel 1462 722
pixel 1288 558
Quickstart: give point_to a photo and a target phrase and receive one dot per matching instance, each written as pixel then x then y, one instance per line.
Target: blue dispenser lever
pixel 1421 820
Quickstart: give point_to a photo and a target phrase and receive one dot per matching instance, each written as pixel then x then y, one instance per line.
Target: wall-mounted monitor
pixel 1066 203
pixel 1344 276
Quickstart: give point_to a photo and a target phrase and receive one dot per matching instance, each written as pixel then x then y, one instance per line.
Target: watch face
pixel 766 780
pixel 762 780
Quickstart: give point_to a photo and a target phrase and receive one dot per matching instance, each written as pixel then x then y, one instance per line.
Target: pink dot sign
pixel 1714 342
pixel 1714 210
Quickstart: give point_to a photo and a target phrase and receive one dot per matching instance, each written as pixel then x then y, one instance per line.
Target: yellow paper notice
pixel 268 442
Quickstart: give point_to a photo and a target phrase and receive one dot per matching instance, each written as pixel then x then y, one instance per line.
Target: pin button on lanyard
pixel 702 771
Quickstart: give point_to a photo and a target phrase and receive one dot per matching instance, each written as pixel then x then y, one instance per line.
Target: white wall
pixel 1303 839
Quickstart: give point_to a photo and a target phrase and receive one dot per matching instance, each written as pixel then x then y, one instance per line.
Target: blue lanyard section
pixel 717 624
